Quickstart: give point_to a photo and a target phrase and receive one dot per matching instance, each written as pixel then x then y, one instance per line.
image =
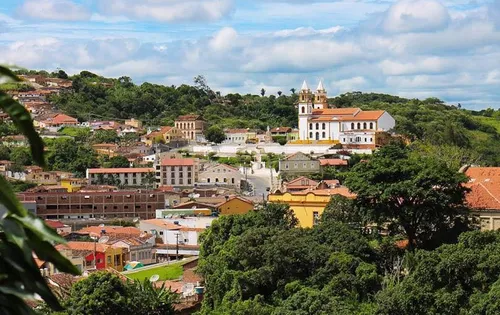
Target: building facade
pixel 347 126
pixel 299 163
pixel 240 136
pixel 484 196
pixel 221 174
pixel 95 205
pixel 192 126
pixel 176 172
pixel 128 177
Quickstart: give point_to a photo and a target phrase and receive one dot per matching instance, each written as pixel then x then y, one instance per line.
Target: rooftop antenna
pixel 154 278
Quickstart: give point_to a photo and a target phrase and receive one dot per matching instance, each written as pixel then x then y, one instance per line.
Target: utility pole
pixel 177 246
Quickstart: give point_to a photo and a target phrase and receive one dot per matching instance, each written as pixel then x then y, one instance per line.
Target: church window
pixel 364 125
pixel 343 139
pixel 303 98
pixel 359 125
pixel 324 126
pixel 310 135
pixel 352 126
pixel 371 125
pixel 365 140
pixel 324 135
pixel 310 126
pixel 303 110
pixel 317 126
pixel 371 139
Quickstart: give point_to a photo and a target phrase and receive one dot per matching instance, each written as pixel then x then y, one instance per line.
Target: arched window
pixel 303 110
pixel 324 135
pixel 324 126
pixel 352 126
pixel 371 125
pixel 317 135
pixel 303 98
pixel 310 126
pixel 317 126
pixel 359 125
pixel 364 125
pixel 310 135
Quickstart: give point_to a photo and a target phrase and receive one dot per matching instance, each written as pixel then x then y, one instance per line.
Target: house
pixel 106 256
pixel 72 184
pixel 347 126
pixel 136 249
pixel 133 123
pixel 47 269
pixel 176 172
pixel 57 121
pixel 166 135
pixel 192 126
pixel 235 205
pixel 281 131
pixel 240 136
pixel 128 177
pixel 328 184
pixel 60 227
pixel 333 162
pixel 108 149
pixel 47 178
pixel 308 205
pixel 484 195
pixel 221 174
pixel 299 163
pixel 299 184
pixel 15 141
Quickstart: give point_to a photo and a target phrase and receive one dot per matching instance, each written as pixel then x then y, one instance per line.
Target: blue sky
pixel 413 48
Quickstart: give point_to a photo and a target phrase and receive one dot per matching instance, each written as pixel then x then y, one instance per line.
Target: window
pixel 295 165
pixel 310 126
pixel 310 135
pixel 324 134
pixel 359 125
pixel 109 260
pixel 365 140
pixel 208 180
pixel 371 139
pixel 343 139
pixel 189 181
pixel 303 108
pixel 172 181
pixel 317 125
pixel 286 166
pixel 315 217
pixel 324 126
pixel 232 180
pixel 303 98
pixel 352 126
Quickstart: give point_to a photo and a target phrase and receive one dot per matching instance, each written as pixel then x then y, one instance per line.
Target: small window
pixel 310 135
pixel 352 125
pixel 324 126
pixel 371 125
pixel 317 126
pixel 323 134
pixel 310 126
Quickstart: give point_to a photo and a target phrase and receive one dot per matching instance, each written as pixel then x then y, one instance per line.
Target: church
pixel 351 127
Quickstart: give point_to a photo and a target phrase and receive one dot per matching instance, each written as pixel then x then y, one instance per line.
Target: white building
pixel 350 126
pixel 221 174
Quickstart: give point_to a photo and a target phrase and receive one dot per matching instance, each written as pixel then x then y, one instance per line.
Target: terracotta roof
pixel 331 182
pixel 55 224
pixel 62 118
pixel 120 170
pixel 369 115
pixel 189 117
pixel 128 230
pixel 336 111
pixel 84 246
pixel 177 162
pixel 343 191
pixel 333 162
pixel 345 114
pixel 281 129
pixel 235 197
pixel 162 223
pixel 298 182
pixel 485 188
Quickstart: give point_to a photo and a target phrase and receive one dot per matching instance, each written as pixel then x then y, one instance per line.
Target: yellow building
pixel 308 205
pixel 73 184
pixel 235 205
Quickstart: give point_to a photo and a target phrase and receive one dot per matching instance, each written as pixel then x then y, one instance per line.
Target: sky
pixel 413 48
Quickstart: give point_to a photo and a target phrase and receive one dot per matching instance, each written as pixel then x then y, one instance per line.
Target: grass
pixel 494 122
pixel 168 272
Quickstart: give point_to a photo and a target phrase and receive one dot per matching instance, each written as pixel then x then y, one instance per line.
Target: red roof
pixel 485 188
pixel 177 162
pixel 189 118
pixel 120 170
pixel 62 119
pixel 55 224
pixel 333 162
pixel 128 230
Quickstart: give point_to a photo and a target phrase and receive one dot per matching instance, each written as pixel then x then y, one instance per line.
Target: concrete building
pixel 240 136
pixel 221 174
pixel 299 163
pixel 192 126
pixel 347 126
pixel 128 177
pixel 176 172
pixel 95 205
pixel 235 205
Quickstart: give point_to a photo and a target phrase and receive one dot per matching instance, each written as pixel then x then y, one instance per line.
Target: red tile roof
pixel 55 224
pixel 333 162
pixel 485 188
pixel 63 119
pixel 84 246
pixel 128 230
pixel 189 118
pixel 162 223
pixel 177 162
pixel 120 170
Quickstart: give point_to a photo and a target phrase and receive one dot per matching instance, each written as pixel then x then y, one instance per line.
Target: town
pixel 141 207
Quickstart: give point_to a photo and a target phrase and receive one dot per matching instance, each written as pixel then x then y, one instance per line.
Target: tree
pixel 62 75
pixel 21 156
pixel 293 90
pixel 279 93
pixel 215 134
pixel 105 136
pixel 262 92
pixel 421 197
pixel 119 161
pixel 4 152
pixel 23 234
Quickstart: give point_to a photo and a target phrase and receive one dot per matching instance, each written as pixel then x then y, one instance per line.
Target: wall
pixel 235 206
pixel 303 206
pixel 231 150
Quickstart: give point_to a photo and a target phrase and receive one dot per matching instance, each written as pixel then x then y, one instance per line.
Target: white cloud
pixel 307 31
pixel 416 16
pixel 169 10
pixel 57 10
pixel 224 39
pixel 421 65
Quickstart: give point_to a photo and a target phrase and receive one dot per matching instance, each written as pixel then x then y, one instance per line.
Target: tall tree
pixel 262 92
pixel 215 134
pixel 420 196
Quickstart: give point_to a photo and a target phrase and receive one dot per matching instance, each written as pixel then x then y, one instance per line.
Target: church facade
pixel 347 126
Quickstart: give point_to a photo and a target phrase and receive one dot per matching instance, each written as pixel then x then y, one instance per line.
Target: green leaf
pixel 6 72
pixel 38 227
pixel 9 200
pixel 23 122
